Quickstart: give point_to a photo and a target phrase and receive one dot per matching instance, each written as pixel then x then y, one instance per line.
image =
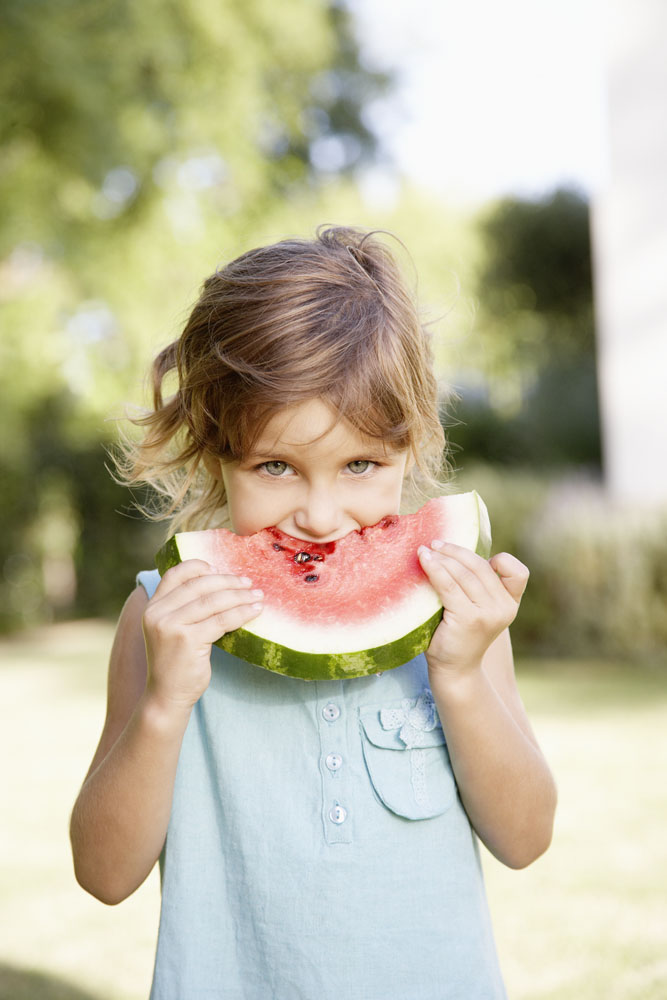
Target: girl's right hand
pixel 192 607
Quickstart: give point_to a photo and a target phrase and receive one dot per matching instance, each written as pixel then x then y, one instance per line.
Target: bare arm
pixel 159 667
pixel 504 781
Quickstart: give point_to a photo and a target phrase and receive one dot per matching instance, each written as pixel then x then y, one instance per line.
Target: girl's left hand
pixel 480 599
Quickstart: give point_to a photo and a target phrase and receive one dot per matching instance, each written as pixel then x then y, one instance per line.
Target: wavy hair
pixel 329 318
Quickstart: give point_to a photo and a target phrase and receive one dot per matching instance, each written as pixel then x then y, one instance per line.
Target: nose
pixel 319 514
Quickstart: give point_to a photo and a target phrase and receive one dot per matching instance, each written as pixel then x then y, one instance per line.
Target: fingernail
pixel 437 544
pixel 245 580
pixel 424 552
pixel 256 607
pixel 258 593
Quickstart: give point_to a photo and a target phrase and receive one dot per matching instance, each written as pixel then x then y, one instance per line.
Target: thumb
pixel 513 574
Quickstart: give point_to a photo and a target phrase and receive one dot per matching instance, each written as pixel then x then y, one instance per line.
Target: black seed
pixel 311 578
pixel 316 557
pixel 278 548
pixel 302 557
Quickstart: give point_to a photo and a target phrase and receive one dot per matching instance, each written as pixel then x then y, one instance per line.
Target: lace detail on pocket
pixel 414 719
pixel 418 778
pixel 406 755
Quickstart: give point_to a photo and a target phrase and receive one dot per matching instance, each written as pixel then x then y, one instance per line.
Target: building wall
pixel 630 249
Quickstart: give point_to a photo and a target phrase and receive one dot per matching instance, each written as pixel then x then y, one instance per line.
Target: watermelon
pixel 342 609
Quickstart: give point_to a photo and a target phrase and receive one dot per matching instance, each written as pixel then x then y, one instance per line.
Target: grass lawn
pixel 587 921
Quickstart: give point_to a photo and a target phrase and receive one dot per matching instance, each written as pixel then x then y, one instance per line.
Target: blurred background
pixel 519 150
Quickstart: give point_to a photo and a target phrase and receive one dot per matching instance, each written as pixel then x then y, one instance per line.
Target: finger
pixel 216 603
pixel 449 574
pixel 512 573
pixel 236 617
pixel 190 569
pixel 502 567
pixel 479 571
pixel 206 630
pixel 214 627
pixel 198 578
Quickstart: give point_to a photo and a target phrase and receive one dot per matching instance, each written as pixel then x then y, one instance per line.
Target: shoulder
pixel 148 580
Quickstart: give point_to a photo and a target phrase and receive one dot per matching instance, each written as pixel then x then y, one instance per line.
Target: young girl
pixel 317 840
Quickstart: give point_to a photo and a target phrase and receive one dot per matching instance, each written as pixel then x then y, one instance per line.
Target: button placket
pixel 335 794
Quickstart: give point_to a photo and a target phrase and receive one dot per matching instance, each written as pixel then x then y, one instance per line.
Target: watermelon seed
pixel 316 557
pixel 311 578
pixel 302 557
pixel 278 548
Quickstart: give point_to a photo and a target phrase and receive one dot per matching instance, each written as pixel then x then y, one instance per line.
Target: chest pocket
pixel 406 756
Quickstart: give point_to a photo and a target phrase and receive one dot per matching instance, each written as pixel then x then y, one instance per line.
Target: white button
pixel 337 814
pixel 334 761
pixel 331 712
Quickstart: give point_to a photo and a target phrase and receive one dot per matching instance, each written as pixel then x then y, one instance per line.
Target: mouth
pixel 286 537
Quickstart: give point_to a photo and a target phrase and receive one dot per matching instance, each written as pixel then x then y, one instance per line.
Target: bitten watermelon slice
pixel 340 609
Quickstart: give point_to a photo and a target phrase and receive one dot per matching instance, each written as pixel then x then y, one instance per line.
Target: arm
pixel 159 667
pixel 504 781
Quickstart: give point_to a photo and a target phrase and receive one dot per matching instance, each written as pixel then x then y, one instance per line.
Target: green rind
pixel 328 666
pixel 168 556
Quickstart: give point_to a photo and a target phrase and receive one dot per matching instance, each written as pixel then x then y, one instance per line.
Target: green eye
pixel 275 468
pixel 359 466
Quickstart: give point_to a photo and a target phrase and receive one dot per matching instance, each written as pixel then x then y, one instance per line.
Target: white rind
pixel 387 625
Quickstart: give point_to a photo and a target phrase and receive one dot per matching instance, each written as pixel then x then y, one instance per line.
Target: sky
pixel 493 96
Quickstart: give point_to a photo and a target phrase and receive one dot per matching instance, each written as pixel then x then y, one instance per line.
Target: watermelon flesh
pixel 341 609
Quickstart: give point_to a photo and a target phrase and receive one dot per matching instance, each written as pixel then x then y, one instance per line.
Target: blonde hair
pixel 329 318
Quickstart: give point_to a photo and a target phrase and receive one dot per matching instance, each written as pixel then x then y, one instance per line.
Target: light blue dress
pixel 317 847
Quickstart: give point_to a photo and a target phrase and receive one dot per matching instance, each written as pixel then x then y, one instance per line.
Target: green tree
pixel 141 142
pixel 101 100
pixel 535 337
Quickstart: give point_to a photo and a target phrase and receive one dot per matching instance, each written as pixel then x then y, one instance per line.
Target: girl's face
pixel 314 476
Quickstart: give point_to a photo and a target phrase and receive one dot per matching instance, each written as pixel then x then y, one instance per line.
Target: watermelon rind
pixel 329 666
pixel 168 556
pixel 307 664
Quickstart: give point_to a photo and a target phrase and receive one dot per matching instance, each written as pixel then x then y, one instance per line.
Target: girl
pixel 316 840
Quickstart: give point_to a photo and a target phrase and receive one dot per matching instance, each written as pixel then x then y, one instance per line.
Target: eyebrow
pixel 283 454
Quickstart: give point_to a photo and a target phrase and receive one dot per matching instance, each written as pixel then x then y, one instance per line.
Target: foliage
pixel 73 540
pixel 535 284
pixel 556 423
pixel 603 572
pixel 101 101
pixel 140 142
pixel 534 340
pixel 539 254
pixel 598 584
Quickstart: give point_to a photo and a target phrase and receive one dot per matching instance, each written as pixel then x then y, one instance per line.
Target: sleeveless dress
pixel 317 847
